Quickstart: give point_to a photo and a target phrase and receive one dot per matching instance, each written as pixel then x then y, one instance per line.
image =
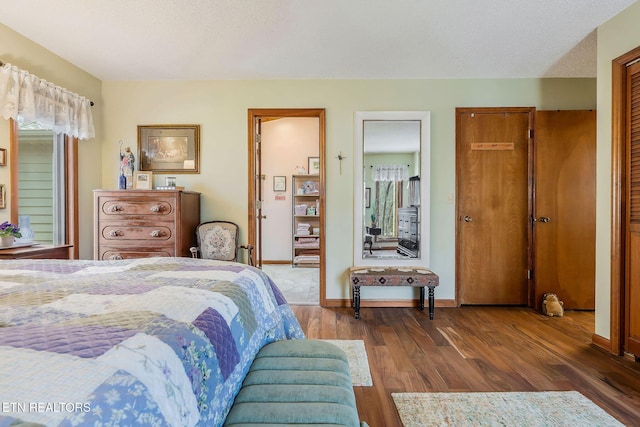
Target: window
pixel 386 197
pixel 40 187
pixel 43 183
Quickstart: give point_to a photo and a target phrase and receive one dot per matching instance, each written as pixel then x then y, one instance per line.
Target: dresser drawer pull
pixel 115 233
pixel 157 233
pixel 157 208
pixel 116 208
pixel 116 257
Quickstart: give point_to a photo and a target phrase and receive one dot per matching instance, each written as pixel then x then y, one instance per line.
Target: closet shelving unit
pixel 306 220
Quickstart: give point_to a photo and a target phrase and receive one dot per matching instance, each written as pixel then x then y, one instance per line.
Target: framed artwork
pixel 279 183
pixel 143 180
pixel 314 165
pixel 169 148
pixel 3 197
pixel 3 157
pixel 367 197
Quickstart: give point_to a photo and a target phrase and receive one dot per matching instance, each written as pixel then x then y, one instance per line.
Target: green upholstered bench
pixel 296 382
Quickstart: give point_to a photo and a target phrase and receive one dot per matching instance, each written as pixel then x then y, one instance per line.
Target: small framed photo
pixel 143 180
pixel 279 183
pixel 314 165
pixel 3 157
pixel 367 197
pixel 3 197
pixel 170 181
pixel 169 148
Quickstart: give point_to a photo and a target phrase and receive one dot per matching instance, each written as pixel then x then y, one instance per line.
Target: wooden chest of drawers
pixel 144 223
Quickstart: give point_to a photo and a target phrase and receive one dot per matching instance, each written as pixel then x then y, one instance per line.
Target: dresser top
pixel 140 191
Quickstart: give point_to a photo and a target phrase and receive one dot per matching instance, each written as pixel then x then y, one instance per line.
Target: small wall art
pixel 279 183
pixel 314 165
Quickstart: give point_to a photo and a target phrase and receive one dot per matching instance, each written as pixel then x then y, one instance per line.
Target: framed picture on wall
pixel 143 181
pixel 3 157
pixel 367 197
pixel 169 148
pixel 3 197
pixel 314 165
pixel 279 183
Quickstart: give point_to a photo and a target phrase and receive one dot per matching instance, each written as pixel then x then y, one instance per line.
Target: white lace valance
pixel 28 98
pixel 389 173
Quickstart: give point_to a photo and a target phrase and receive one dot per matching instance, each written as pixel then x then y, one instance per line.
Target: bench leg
pixel 431 302
pixel 353 299
pixel 421 297
pixel 356 301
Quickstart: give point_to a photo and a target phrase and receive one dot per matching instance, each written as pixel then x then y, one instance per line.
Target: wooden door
pixel 565 207
pixel 632 221
pixel 493 205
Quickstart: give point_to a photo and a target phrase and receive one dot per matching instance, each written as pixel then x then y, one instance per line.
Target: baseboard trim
pixel 288 261
pixel 333 303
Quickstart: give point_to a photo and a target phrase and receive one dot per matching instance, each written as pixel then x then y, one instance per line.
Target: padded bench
pixel 296 382
pixel 393 276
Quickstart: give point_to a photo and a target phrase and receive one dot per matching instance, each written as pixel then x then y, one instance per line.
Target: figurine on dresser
pixel 127 166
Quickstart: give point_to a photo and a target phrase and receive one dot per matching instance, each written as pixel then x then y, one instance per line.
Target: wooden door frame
pixel 255 113
pixel 618 195
pixel 531 111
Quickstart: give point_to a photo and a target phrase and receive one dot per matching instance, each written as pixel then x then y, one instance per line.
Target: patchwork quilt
pixel 153 341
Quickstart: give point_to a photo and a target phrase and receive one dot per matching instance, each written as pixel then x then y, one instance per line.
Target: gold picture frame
pixel 3 157
pixel 169 148
pixel 143 180
pixel 3 196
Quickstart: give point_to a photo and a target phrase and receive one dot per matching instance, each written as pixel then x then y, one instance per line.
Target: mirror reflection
pixel 391 178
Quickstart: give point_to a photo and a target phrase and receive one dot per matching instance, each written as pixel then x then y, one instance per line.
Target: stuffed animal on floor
pixel 552 306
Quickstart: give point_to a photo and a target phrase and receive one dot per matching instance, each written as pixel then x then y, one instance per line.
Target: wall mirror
pixel 391 188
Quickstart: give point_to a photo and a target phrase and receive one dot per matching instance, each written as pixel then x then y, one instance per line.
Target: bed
pixel 153 341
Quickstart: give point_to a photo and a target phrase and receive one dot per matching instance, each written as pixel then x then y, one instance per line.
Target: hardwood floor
pixel 478 349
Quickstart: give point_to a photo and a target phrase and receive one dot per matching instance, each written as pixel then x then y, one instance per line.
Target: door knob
pixel 545 219
pixel 467 218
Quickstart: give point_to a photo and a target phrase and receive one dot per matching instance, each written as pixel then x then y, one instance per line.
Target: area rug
pixel 358 361
pixel 300 286
pixel 549 408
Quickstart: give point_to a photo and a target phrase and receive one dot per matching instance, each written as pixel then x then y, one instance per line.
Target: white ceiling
pixel 316 39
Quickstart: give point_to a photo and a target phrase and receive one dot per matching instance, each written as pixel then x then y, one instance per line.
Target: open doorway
pixel 286 171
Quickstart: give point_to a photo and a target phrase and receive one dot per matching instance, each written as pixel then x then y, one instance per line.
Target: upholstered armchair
pixel 219 240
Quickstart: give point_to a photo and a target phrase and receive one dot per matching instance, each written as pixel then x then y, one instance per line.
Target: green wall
pixel 220 107
pixel 616 37
pixel 27 55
